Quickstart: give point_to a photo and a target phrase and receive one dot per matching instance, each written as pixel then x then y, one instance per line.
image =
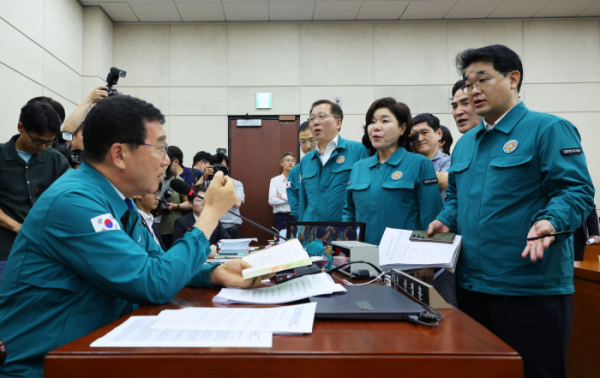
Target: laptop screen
pixel 326 232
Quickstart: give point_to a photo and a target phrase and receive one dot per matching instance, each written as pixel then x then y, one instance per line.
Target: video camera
pixel 73 156
pixel 112 79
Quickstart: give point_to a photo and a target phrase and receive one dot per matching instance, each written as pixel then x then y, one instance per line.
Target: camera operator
pixel 177 203
pixel 145 205
pixel 231 223
pixel 27 168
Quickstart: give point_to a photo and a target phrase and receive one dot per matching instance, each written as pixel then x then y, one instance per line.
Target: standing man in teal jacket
pixel 519 174
pixel 325 172
pixel 83 257
pixel 307 143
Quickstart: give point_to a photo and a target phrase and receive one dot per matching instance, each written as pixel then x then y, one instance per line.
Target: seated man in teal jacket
pixel 325 171
pixel 519 174
pixel 83 257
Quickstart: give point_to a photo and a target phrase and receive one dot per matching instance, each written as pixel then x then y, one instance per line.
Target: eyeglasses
pixel 162 148
pixel 289 160
pixel 321 117
pixel 157 194
pixel 39 142
pixel 199 199
pixel 481 84
pixel 310 142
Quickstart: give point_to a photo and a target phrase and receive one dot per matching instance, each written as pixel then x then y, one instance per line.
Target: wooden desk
pixel 460 347
pixel 584 348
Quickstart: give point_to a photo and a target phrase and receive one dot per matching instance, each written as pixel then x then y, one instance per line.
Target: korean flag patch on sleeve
pixel 105 222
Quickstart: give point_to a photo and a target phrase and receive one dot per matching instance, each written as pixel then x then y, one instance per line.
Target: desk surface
pixel 588 269
pixel 459 347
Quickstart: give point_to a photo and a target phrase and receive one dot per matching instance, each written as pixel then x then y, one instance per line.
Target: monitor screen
pixel 326 232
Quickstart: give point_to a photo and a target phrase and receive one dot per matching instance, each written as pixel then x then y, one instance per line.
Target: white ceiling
pixel 337 10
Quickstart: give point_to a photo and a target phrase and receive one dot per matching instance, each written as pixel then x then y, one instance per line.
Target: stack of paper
pixel 235 246
pixel 290 291
pixel 288 255
pixel 396 251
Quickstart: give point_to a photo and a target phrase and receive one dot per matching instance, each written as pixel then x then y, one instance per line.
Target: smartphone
pixel 438 237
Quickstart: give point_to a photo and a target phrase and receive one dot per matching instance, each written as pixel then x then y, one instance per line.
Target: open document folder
pixel 289 291
pixel 288 255
pixel 397 251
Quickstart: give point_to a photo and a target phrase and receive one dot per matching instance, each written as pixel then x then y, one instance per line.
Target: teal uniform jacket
pixel 64 279
pixel 529 167
pixel 293 191
pixel 400 193
pixel 324 187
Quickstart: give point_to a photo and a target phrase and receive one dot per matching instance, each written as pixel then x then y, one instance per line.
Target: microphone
pixel 182 187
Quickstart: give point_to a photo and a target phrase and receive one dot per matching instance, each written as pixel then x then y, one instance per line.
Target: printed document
pixel 290 291
pixel 296 319
pixel 137 331
pixel 288 255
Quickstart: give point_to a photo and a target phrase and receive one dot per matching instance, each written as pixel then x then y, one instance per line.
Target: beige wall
pixel 40 54
pixel 199 74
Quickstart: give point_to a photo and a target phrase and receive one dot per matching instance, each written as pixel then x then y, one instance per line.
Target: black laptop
pixel 369 302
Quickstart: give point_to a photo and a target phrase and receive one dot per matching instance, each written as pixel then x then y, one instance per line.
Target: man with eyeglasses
pixel 145 204
pixel 307 143
pixel 27 169
pixel 83 258
pixel 518 175
pixel 278 193
pixel 325 171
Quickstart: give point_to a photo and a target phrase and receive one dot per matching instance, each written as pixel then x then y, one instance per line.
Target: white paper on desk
pixel 137 331
pixel 290 291
pixel 284 256
pixel 396 248
pixel 296 319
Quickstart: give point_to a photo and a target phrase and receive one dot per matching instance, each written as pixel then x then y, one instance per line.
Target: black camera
pixel 221 151
pixel 112 79
pixel 163 207
pixel 73 156
pixel 216 168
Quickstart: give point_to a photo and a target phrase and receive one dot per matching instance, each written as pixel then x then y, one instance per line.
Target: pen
pixel 549 235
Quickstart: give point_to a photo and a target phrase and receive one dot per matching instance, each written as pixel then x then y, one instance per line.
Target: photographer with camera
pixel 27 167
pixel 189 175
pixel 221 163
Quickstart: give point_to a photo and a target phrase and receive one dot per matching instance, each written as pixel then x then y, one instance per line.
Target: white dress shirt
pixel 325 155
pixel 488 127
pixel 279 185
pixel 149 219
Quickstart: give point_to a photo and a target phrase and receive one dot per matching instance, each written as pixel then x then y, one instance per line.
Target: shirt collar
pixel 488 126
pixel 333 142
pixel 438 156
pixel 282 177
pixel 394 160
pixel 195 217
pixel 11 151
pixel 118 191
pixel 148 218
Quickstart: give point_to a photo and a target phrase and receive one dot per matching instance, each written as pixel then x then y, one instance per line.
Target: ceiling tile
pixel 427 10
pixel 201 11
pixel 593 11
pixel 155 12
pixel 473 8
pixel 119 12
pixel 338 10
pixel 519 8
pixel 97 2
pixel 291 11
pixel 565 8
pixel 382 10
pixel 248 11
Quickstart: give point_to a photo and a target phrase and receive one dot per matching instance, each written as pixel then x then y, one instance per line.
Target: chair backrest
pixel 2 353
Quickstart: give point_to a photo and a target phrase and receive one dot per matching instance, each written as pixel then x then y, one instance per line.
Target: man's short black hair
pixel 116 119
pixel 431 120
pixel 218 159
pixel 198 188
pixel 287 154
pixel 457 87
pixel 504 60
pixel 336 110
pixel 447 138
pixel 55 105
pixel 303 127
pixel 175 152
pixel 40 117
pixel 201 156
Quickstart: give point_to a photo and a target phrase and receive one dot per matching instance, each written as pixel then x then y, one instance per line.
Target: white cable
pixel 346 282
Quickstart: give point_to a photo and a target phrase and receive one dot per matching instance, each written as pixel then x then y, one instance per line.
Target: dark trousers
pixel 537 327
pixel 280 219
pixel 167 240
pixel 234 232
pixel 579 240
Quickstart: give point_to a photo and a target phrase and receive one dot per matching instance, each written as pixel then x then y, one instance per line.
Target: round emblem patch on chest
pixel 510 146
pixel 340 160
pixel 397 175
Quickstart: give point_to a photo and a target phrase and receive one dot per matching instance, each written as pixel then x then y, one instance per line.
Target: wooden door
pixel 255 154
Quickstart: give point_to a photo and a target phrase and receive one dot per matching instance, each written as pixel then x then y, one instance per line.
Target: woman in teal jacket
pixel 393 188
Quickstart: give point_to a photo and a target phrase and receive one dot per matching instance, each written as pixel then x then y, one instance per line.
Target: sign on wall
pixel 263 100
